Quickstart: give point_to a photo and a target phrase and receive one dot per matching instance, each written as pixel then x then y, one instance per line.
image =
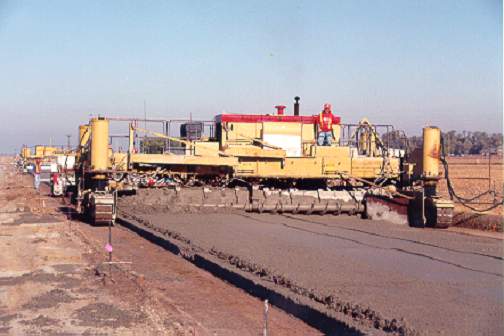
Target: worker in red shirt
pixel 55 178
pixel 325 122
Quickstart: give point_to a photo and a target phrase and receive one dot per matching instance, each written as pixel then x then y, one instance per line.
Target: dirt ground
pixel 472 175
pixel 369 274
pixel 53 280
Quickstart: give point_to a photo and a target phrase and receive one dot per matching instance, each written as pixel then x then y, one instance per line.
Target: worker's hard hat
pixel 327 106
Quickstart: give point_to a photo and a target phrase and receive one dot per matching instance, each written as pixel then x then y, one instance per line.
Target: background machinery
pixel 56 166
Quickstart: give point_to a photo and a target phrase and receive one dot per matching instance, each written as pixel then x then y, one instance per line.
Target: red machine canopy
pixel 257 118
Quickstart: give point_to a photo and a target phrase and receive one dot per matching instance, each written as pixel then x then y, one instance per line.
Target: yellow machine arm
pixel 161 135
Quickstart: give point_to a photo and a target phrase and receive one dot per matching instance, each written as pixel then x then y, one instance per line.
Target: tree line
pixel 455 143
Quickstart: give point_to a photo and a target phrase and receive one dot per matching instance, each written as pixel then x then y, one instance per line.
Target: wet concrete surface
pixel 427 281
pixel 184 293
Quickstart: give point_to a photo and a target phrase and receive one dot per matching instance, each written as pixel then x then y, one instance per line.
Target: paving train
pixel 267 163
pixel 55 165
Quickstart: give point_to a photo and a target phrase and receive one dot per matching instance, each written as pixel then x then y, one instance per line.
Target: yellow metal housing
pixel 26 153
pixel 99 144
pixel 118 161
pixel 84 134
pixel 43 151
pixel 39 151
pixel 236 133
pixel 163 159
pixel 431 152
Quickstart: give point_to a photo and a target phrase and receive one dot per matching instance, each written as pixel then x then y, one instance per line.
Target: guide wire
pixel 462 200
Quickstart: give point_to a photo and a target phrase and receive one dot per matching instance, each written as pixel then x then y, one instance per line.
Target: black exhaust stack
pixel 296 106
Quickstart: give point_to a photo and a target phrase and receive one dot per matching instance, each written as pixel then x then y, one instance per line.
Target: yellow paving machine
pixel 56 166
pixel 268 163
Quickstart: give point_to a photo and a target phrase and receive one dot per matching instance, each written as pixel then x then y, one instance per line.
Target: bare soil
pixel 53 279
pixel 471 176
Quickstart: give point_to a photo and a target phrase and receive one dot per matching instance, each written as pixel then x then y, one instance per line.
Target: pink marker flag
pixel 108 247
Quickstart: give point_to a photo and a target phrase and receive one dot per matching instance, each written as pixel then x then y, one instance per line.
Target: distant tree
pixel 465 142
pixel 151 145
pixel 395 139
pixel 478 142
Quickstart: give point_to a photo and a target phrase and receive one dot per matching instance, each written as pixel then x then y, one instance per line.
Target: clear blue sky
pixel 409 63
